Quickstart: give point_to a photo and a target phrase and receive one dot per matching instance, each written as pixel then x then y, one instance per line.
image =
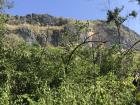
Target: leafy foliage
pixel 32 75
pixel 35 75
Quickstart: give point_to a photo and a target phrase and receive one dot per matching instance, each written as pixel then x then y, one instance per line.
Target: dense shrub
pixel 35 75
pixel 32 75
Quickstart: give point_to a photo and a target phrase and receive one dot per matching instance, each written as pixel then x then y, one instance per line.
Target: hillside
pixel 51 69
pixel 48 30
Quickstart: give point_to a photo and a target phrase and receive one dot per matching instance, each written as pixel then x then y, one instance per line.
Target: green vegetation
pixel 32 75
pixel 68 75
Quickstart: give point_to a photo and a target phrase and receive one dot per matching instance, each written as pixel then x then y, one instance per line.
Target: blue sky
pixel 76 9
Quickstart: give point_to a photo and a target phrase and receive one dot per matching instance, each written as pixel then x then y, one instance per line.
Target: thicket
pixel 73 75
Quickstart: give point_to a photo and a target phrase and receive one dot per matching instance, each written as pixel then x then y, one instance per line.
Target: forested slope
pixel 55 64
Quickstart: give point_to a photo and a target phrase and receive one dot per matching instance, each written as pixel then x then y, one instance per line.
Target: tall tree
pixel 114 16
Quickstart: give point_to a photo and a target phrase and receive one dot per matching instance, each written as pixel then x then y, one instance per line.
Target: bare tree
pixel 6 4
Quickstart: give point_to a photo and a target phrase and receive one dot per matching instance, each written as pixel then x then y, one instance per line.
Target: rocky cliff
pixel 57 31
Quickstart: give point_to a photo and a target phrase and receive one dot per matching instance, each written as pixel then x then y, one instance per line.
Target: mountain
pixel 57 31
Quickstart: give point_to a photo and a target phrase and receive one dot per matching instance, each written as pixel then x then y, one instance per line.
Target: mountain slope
pixel 48 30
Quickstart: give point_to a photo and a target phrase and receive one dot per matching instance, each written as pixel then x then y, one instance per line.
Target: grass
pixel 35 28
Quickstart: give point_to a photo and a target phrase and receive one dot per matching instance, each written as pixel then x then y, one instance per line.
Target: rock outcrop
pixel 49 30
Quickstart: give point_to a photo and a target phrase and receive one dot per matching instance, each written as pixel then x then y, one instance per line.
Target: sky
pixel 77 9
